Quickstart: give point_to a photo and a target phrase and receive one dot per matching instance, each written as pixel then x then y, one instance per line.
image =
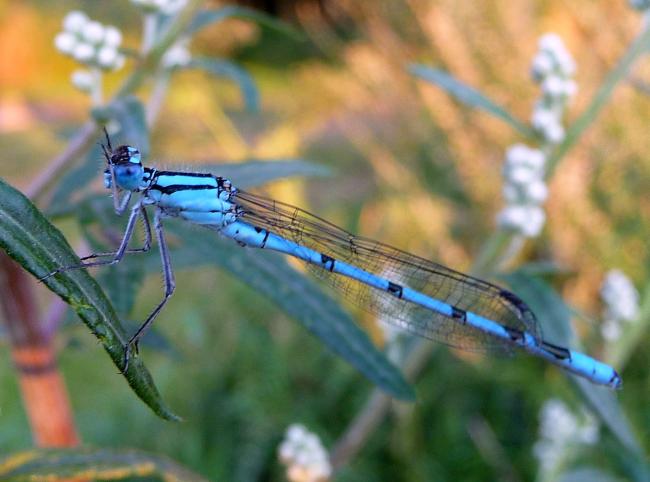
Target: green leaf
pixel 230 70
pixel 468 95
pixel 57 465
pixel 269 274
pixel 604 403
pixel 40 248
pixel 215 15
pixel 254 173
pixel 554 315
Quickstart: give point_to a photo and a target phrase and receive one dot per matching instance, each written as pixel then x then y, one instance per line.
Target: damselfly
pixel 422 297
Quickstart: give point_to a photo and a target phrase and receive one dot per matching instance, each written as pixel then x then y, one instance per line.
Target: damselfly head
pixel 124 165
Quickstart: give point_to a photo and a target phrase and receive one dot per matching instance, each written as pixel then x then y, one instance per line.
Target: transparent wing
pixel 431 279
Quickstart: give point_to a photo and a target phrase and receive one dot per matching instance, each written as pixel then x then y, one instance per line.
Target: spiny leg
pixel 145 247
pixel 170 285
pixel 120 204
pixel 119 254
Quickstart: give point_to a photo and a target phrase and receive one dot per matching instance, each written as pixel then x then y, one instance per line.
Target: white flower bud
pixel 82 80
pixel 521 175
pixel 304 455
pixel 107 57
pixel 536 192
pixel 570 88
pixel 112 36
pixel 75 21
pixel 554 133
pixel 550 42
pixel 93 32
pixel 176 56
pixel 542 66
pixel 611 330
pixel 620 296
pixel 522 155
pixel 65 42
pixel 286 451
pixel 83 52
pixel 565 63
pixel 553 86
pixel 548 125
pixel 296 432
pixel 528 220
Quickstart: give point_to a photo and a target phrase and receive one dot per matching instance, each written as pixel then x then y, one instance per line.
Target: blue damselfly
pixel 422 297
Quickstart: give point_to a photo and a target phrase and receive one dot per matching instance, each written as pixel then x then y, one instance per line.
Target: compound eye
pixel 134 155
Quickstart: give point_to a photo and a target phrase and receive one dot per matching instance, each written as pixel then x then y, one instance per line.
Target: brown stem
pixel 42 386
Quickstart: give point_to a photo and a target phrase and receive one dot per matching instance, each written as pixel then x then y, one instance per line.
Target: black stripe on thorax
pixel 187 174
pixel 172 188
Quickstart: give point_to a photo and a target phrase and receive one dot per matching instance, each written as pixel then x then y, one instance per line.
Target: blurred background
pixel 409 166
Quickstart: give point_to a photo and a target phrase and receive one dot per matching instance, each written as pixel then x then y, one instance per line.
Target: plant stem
pixel 157 97
pixel 96 94
pixel 149 27
pixel 43 389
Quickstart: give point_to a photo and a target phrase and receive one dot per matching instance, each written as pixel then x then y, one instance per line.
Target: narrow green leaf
pixel 40 248
pixel 554 315
pixel 253 173
pixel 57 465
pixel 215 15
pixel 468 95
pixel 232 71
pixel 604 403
pixel 269 274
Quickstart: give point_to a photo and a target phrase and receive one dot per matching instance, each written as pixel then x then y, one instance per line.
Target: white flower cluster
pixel 621 303
pixel 552 68
pixel 640 4
pixel 304 455
pixel 166 7
pixel 178 55
pixel 90 42
pixel 524 190
pixel 559 429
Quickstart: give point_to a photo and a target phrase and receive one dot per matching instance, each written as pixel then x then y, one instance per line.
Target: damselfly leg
pixel 137 211
pixel 170 286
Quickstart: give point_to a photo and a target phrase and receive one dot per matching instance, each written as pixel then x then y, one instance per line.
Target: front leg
pixel 118 255
pixel 145 247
